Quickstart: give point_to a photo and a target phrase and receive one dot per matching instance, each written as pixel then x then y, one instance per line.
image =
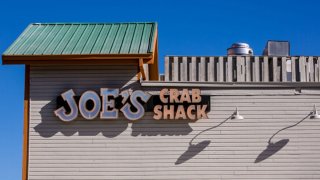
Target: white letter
pixel 62 113
pixel 108 104
pixel 140 110
pixel 85 97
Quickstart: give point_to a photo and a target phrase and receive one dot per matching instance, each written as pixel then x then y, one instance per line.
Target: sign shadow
pixel 50 125
pixel 151 127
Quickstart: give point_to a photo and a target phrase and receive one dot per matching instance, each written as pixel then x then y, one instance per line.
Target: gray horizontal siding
pixel 149 149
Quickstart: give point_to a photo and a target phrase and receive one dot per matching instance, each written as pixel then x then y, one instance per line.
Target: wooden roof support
pixel 154 72
pixel 142 71
pixel 26 124
pixel 75 59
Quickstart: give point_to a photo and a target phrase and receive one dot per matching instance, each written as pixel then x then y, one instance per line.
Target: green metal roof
pixel 84 38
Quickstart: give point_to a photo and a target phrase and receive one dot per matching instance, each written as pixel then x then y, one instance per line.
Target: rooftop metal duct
pixel 240 49
pixel 277 48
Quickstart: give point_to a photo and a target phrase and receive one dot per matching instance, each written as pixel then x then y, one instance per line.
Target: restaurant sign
pixel 169 104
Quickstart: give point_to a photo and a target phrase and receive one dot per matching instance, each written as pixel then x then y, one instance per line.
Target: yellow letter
pixel 167 111
pixel 174 93
pixel 157 112
pixel 180 113
pixel 196 98
pixel 162 93
pixel 201 112
pixel 189 112
pixel 185 97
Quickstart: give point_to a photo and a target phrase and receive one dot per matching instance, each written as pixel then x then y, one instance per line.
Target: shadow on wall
pixel 192 151
pixel 195 149
pixel 151 127
pixel 51 125
pixel 273 148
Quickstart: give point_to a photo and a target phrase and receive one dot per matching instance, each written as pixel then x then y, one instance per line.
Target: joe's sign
pixel 169 104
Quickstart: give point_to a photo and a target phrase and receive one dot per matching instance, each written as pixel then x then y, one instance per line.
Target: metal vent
pixel 240 49
pixel 277 48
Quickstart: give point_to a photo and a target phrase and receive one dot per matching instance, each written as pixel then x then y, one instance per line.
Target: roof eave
pixel 75 59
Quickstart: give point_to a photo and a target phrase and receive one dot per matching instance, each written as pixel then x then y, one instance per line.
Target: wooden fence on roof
pixel 242 69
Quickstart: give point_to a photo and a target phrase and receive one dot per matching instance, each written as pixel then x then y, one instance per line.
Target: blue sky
pixel 185 28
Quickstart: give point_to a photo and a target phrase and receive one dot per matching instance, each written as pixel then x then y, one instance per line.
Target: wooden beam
pixel 211 70
pixel 275 73
pixel 73 59
pixel 166 69
pixel 293 69
pixel 154 46
pixel 229 69
pixel 193 69
pixel 256 69
pixel 79 62
pixel 220 69
pixel 184 69
pixel 142 72
pixel 26 124
pixel 317 70
pixel 265 69
pixel 154 71
pixel 310 75
pixel 302 68
pixel 175 72
pixel 284 69
pixel 202 69
pixel 248 69
pixel 240 69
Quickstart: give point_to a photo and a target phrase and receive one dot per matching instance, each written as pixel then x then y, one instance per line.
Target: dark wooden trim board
pixel 26 124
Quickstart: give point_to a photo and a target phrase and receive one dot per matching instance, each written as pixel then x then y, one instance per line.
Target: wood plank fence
pixel 242 69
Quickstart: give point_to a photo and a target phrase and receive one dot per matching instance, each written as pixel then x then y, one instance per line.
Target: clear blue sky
pixel 185 28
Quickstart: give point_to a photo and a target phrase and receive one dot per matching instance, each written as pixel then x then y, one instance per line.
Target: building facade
pixel 274 134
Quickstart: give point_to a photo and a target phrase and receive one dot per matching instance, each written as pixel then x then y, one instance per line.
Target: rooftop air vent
pixel 240 49
pixel 277 48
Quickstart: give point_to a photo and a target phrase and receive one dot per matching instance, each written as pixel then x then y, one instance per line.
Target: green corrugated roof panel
pixel 84 38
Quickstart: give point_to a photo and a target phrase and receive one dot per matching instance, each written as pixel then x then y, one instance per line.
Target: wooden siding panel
pixel 211 71
pixel 284 69
pixel 302 69
pixel 193 69
pixel 316 70
pixel 175 72
pixel 220 69
pixel 184 69
pixel 229 69
pixel 167 69
pixel 150 149
pixel 248 68
pixel 202 69
pixel 240 70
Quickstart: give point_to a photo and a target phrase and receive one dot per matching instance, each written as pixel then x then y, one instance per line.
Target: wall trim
pixel 25 155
